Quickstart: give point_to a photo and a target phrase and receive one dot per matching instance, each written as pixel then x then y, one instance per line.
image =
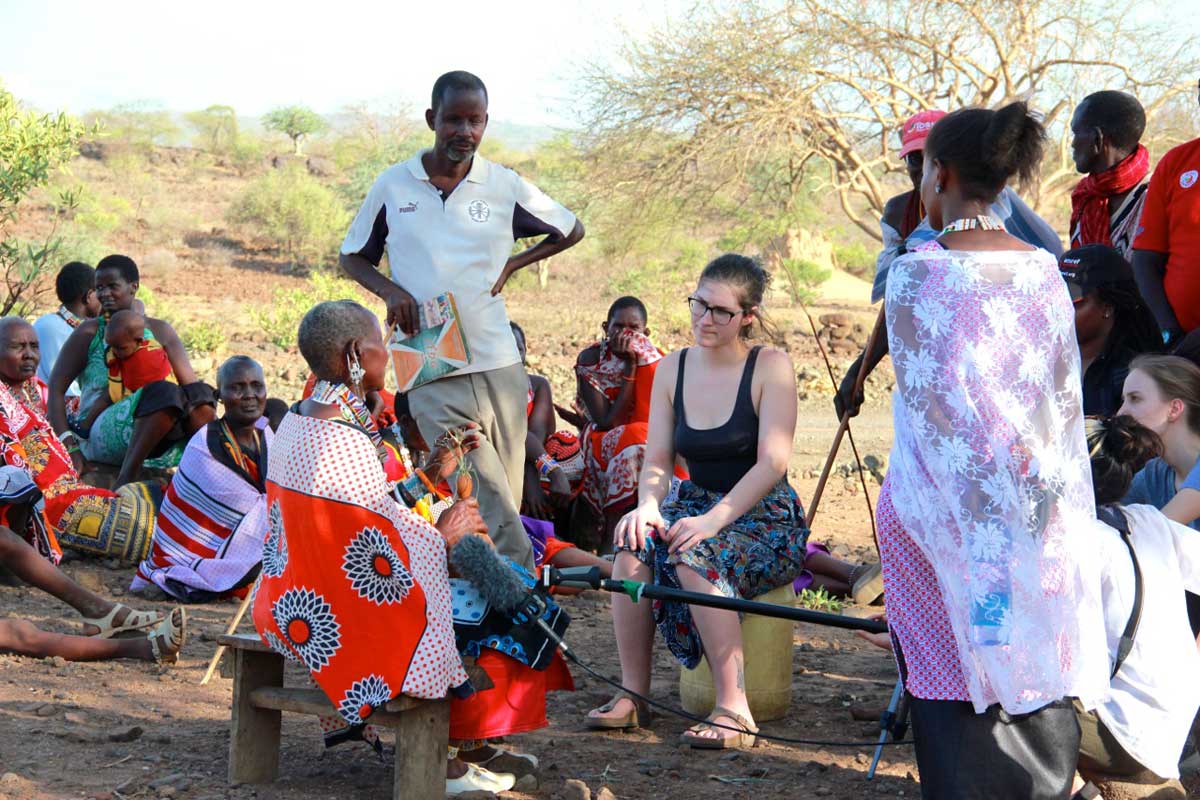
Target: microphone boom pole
pixel 589 577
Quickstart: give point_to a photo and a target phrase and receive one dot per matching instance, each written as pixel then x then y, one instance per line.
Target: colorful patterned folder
pixel 437 349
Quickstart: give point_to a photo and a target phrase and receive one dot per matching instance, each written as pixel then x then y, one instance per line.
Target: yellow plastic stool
pixel 767 644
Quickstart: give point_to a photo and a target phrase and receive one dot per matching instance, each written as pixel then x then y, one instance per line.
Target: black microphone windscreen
pixel 479 563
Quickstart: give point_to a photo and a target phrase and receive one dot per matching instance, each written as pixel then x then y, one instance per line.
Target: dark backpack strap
pixel 1114 517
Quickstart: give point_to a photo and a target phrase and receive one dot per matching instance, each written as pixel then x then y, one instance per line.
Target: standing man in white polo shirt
pixel 448 218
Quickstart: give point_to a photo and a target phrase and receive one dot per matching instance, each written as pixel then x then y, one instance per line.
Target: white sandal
pixel 172 630
pixel 133 621
pixel 477 779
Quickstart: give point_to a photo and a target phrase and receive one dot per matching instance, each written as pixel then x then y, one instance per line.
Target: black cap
pixel 1087 268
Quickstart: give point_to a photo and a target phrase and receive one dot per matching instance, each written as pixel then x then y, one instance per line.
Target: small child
pixel 546 548
pixel 134 358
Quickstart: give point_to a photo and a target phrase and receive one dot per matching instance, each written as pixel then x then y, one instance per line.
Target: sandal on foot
pixel 167 639
pixel 477 779
pixel 636 718
pixel 133 621
pixel 511 762
pixel 745 738
pixel 867 586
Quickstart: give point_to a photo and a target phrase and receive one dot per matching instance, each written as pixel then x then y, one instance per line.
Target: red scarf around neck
pixel 1090 218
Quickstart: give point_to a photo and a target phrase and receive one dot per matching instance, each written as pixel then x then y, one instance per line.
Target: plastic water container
pixel 767 645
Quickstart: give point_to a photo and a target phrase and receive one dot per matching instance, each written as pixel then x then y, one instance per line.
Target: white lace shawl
pixel 989 470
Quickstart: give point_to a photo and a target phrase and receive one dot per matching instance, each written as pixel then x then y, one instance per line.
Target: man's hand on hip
pixel 510 267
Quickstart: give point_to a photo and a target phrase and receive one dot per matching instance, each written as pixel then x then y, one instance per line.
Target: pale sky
pixel 255 55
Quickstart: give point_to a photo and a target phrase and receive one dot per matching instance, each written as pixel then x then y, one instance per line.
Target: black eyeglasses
pixel 720 316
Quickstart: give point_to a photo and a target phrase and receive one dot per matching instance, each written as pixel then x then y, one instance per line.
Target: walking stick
pixel 237 618
pixel 844 426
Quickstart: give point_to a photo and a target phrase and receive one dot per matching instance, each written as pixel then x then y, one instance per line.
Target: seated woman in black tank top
pixel 736 528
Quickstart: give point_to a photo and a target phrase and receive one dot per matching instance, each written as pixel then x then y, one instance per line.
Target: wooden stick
pixel 237 619
pixel 880 325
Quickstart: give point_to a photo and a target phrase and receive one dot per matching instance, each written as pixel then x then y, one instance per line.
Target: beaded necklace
pixel 235 447
pixel 68 316
pixel 983 222
pixel 352 408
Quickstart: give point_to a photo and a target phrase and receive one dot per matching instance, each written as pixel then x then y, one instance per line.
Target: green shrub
pixel 803 277
pixel 101 214
pixel 855 258
pixel 293 211
pixel 32 148
pixel 819 600
pixel 202 338
pixel 157 306
pixel 247 153
pixel 281 319
pixel 80 244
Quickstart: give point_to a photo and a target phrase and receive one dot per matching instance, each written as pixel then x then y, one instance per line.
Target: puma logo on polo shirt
pixel 408 209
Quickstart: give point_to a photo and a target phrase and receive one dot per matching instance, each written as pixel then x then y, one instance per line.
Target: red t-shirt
pixel 1171 224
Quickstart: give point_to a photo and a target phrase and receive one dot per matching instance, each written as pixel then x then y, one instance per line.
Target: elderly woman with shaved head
pixel 88 519
pixel 209 531
pixel 355 583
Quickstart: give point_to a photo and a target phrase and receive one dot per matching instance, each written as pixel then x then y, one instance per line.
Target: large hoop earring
pixel 355 370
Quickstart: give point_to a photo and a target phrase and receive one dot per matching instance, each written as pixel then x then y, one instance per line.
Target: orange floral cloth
pixel 353 585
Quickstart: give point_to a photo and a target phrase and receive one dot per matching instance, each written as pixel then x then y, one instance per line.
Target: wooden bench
pixel 259 697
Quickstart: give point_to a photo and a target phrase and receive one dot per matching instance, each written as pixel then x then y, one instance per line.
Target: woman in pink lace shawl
pixel 989 483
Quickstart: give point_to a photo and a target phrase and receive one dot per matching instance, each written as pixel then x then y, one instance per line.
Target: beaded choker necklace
pixel 240 457
pixel 353 409
pixel 983 222
pixel 68 316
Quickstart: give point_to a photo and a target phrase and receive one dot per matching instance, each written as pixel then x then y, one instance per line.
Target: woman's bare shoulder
pixel 774 366
pixel 590 355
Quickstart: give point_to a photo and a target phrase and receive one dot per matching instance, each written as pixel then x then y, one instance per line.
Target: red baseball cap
pixel 916 128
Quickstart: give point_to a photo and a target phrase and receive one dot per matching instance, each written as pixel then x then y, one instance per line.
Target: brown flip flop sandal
pixel 634 719
pixel 745 739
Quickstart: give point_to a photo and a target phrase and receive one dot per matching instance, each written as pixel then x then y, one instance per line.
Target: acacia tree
pixel 785 91
pixel 217 126
pixel 295 122
pixel 32 146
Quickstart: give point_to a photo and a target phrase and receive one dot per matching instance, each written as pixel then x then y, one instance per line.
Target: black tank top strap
pixel 745 397
pixel 679 386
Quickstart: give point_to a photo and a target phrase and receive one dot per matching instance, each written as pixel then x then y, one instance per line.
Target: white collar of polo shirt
pixel 481 168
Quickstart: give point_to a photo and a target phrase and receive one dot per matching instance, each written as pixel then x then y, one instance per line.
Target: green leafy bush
pixel 246 153
pixel 32 147
pixel 819 600
pixel 157 306
pixel 281 319
pixel 202 338
pixel 101 214
pixel 293 211
pixel 855 258
pixel 803 277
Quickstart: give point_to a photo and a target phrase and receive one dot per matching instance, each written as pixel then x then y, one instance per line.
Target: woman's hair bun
pixel 1013 141
pixel 1118 448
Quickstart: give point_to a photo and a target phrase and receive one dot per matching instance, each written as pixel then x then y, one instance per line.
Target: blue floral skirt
pixel 761 550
